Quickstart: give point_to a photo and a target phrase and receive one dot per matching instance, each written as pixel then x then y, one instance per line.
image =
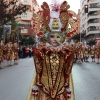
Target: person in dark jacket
pixel 20 52
pixel 23 49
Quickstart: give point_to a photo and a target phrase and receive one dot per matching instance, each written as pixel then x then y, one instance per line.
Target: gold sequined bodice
pixel 54 61
pixel 1 51
pixel 98 50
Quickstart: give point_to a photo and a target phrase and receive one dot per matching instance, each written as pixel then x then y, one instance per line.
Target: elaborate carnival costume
pixel 15 50
pixel 1 54
pixel 53 59
pixel 97 52
pixel 86 54
pixel 80 54
pixel 9 53
pixel 93 53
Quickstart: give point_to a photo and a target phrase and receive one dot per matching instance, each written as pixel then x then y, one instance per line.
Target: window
pixel 24 15
pixel 25 23
pixel 23 0
pixel 94 5
pixel 24 30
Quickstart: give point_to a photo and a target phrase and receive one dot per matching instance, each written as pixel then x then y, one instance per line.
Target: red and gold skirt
pixel 43 96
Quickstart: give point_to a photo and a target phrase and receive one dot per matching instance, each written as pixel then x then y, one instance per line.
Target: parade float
pixel 53 59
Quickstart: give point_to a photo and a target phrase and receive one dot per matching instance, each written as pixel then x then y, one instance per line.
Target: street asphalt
pixel 15 80
pixel 86 78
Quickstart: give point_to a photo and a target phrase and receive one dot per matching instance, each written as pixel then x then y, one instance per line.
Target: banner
pixel 7 29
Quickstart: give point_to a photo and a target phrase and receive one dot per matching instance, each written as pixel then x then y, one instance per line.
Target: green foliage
pixel 10 10
pixel 23 41
pixel 15 28
pixel 13 24
pixel 1 32
pixel 27 41
pixel 91 42
pixel 31 40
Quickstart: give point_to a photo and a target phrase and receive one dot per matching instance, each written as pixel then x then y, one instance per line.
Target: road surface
pixel 15 80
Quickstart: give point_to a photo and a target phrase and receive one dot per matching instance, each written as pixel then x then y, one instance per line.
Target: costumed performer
pixel 53 59
pixel 1 54
pixel 15 50
pixel 9 53
pixel 97 52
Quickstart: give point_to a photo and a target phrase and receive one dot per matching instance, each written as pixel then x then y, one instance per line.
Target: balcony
pixel 93 16
pixel 26 2
pixel 93 24
pixel 91 29
pixel 94 9
pixel 26 16
pixel 93 32
pixel 94 1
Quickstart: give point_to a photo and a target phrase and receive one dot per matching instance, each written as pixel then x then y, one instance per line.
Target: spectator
pixel 27 51
pixel 30 51
pixel 23 49
pixel 20 52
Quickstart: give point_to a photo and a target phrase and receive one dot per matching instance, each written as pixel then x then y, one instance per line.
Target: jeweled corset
pixel 9 52
pixel 1 51
pixel 97 50
pixel 15 49
pixel 86 52
pixel 80 51
pixel 54 61
pixel 92 51
pixel 52 76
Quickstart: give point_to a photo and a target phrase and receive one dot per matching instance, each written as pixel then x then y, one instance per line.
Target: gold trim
pixel 30 96
pixel 72 87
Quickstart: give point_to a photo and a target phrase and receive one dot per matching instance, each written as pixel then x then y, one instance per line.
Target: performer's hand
pixel 39 84
pixel 35 90
pixel 68 92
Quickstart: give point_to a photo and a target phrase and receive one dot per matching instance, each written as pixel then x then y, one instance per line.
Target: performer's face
pixel 55 39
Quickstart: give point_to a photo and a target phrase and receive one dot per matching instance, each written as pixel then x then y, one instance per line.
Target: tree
pixel 31 40
pixel 91 42
pixel 14 32
pixel 10 10
pixel 24 41
pixel 27 41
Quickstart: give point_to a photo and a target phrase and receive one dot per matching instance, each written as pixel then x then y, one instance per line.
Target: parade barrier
pixel 31 97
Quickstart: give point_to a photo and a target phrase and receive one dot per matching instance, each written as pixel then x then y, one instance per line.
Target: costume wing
pixel 46 15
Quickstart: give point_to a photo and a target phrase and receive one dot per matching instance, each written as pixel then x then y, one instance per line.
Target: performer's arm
pixel 68 66
pixel 38 66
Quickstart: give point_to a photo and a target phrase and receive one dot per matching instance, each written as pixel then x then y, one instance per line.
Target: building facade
pixel 25 19
pixel 78 18
pixel 90 22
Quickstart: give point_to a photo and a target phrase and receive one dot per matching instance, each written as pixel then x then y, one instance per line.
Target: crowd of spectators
pixel 25 51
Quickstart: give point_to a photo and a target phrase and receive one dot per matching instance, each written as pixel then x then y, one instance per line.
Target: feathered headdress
pixel 56 18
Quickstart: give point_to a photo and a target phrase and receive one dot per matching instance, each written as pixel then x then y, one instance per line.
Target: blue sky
pixel 74 4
